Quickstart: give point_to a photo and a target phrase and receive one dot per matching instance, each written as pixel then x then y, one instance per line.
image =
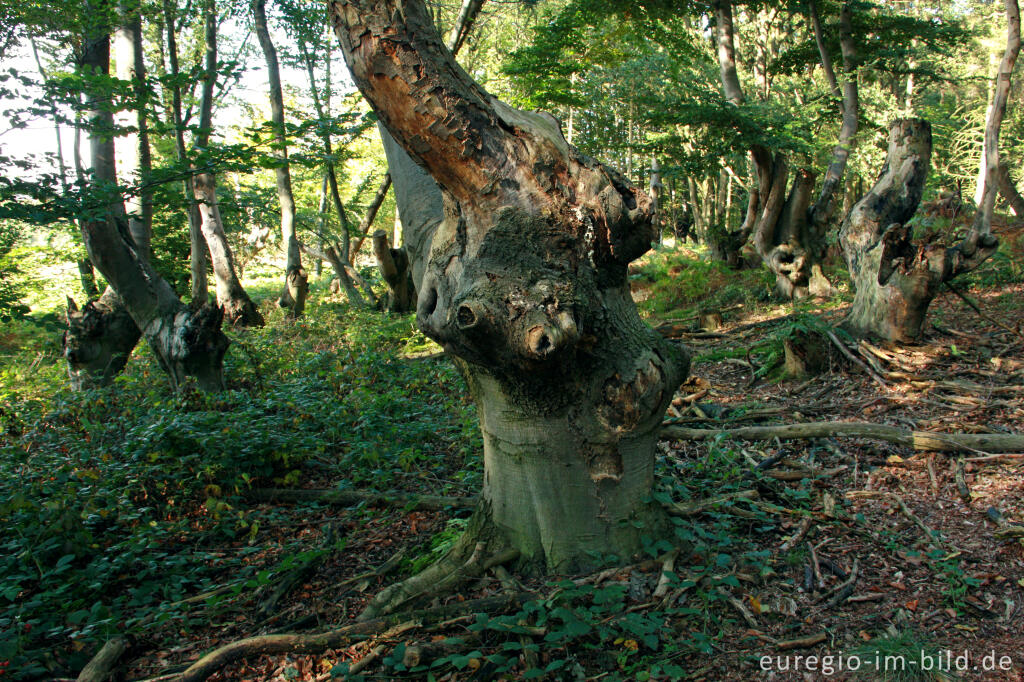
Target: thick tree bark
pixel 187 342
pixel 526 285
pixel 293 298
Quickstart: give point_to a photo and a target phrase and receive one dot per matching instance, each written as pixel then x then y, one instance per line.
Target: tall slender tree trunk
pixel 136 167
pixel 186 342
pixel 238 308
pixel 526 286
pixel 197 250
pixel 331 176
pixel 293 297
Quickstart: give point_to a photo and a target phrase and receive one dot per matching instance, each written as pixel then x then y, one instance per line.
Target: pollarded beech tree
pixel 895 277
pixel 526 288
pixel 187 342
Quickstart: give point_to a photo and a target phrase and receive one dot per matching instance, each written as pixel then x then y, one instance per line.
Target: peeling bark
pixel 526 286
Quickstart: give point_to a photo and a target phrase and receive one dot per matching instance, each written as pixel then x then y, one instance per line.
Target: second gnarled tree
pixel 526 287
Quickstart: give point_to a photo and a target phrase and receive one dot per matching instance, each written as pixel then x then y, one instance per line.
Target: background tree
pixel 896 278
pixel 293 297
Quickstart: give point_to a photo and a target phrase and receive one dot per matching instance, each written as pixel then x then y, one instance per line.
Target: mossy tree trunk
pixel 525 285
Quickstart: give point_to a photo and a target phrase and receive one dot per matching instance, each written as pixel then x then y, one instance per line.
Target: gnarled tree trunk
pixel 526 286
pixel 896 279
pixel 788 232
pixel 187 342
pixel 98 341
pixel 893 279
pixel 101 336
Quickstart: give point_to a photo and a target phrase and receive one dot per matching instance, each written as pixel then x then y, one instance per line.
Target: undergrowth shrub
pixel 114 502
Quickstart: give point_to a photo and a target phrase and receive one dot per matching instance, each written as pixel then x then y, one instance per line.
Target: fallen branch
pixel 855 360
pixel 1004 529
pixel 701 506
pixel 319 642
pixel 927 441
pixel 803 642
pixel 348 498
pixel 972 304
pixel 960 477
pixel 799 535
pixel 843 591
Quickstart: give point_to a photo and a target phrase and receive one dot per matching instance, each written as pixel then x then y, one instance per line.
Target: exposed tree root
pixel 319 642
pixel 347 498
pixel 926 441
pixel 440 578
pixel 101 667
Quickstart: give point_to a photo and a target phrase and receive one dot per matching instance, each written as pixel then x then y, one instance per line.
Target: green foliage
pixel 896 656
pixel 676 282
pixel 115 500
pixel 10 288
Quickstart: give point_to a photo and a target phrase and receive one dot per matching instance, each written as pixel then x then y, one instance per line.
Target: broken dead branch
pixel 926 441
pixel 101 667
pixel 930 534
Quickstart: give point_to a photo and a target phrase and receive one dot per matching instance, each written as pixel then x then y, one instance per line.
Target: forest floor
pixel 957 601
pixel 818 556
